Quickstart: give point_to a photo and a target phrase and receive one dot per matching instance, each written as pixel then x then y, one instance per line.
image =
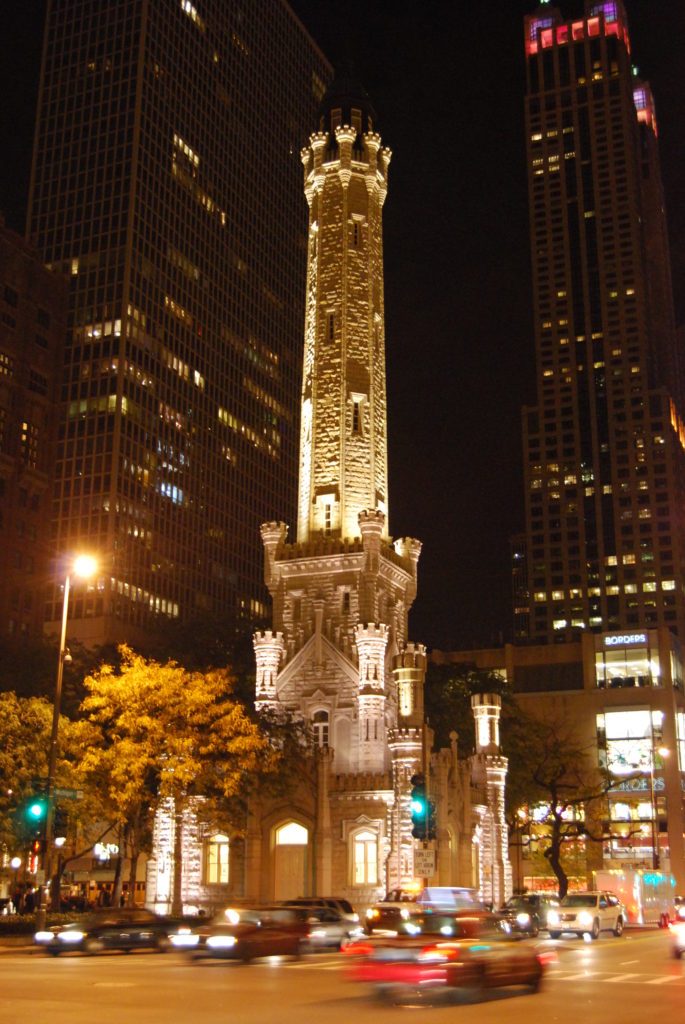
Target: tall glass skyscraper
pixel 604 446
pixel 166 184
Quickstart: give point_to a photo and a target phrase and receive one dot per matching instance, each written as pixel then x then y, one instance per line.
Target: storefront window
pixel 627 661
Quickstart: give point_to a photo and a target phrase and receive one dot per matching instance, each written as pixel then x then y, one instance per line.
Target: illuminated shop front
pixel 630 745
pixel 624 660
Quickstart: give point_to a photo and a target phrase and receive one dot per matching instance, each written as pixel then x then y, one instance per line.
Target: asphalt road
pixel 626 981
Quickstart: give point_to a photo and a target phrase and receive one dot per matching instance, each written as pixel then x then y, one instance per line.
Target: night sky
pixel 447 79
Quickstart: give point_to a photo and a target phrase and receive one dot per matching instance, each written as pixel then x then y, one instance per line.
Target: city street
pixel 627 980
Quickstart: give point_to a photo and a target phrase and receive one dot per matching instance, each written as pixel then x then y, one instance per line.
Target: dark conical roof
pixel 346 93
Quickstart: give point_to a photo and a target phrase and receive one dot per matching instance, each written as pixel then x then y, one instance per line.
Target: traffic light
pixel 419 807
pixel 59 825
pixel 430 823
pixel 37 811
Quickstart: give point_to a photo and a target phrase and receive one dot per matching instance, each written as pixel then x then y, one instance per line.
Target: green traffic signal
pixel 418 805
pixel 36 810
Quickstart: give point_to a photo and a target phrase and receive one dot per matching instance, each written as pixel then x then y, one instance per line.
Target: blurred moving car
pixel 343 906
pixel 399 905
pixel 587 913
pixel 676 929
pixel 109 929
pixel 463 949
pixel 526 913
pixel 328 927
pixel 395 907
pixel 245 933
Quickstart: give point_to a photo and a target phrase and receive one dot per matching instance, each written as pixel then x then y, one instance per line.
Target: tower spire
pixel 343 439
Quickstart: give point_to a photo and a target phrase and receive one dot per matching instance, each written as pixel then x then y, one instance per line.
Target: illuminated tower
pixel 603 447
pixel 489 777
pixel 342 592
pixel 343 436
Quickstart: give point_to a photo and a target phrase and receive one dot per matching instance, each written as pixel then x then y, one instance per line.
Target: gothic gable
pixel 318 667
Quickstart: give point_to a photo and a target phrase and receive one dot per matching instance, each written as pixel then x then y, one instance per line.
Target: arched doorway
pixel 290 860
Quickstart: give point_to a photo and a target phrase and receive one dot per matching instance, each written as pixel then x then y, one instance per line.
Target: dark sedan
pixel 465 950
pixel 108 929
pixel 526 914
pixel 247 933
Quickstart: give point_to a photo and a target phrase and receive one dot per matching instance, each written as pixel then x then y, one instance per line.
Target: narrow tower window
pixel 357 415
pixel 320 728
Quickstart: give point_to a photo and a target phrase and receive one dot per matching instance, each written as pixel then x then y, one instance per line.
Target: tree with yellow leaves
pixel 164 732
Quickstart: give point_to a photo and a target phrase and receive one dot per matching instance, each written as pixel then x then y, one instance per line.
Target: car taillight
pixel 357 949
pixel 549 956
pixel 437 954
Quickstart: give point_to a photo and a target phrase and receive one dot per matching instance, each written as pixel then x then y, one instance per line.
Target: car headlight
pixel 70 936
pixel 553 917
pixel 221 941
pixel 44 936
pixel 523 918
pixel 184 939
pixel 404 914
pixel 585 917
pixel 372 913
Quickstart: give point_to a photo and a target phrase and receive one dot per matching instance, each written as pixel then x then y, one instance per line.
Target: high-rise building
pixel 603 447
pixel 166 185
pixel 32 323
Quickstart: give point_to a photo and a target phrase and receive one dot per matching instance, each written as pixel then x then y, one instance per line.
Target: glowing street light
pixel 83 566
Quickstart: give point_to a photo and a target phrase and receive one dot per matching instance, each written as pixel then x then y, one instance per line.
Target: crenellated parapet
pixel 373 783
pixel 371 640
pixel 345 136
pixel 273 538
pixel 487 708
pixel 269 649
pixel 410 549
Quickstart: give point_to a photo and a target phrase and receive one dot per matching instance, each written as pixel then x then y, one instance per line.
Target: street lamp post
pixel 83 566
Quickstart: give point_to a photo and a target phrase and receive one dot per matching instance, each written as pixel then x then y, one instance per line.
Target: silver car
pixel 587 913
pixel 328 927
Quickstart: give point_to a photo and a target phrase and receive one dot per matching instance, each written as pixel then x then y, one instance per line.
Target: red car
pixel 466 949
pixel 246 933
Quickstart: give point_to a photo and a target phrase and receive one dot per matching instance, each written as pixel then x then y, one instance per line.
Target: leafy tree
pixel 552 770
pixel 207 642
pixel 25 734
pixel 166 732
pixel 447 701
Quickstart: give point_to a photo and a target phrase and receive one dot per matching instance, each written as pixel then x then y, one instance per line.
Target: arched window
pixel 365 858
pixel 216 859
pixel 320 727
pixel 291 834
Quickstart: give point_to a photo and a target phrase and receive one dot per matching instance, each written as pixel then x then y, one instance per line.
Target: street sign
pixel 424 863
pixel 61 793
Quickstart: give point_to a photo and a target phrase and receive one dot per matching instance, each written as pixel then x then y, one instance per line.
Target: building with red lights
pixel 603 446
